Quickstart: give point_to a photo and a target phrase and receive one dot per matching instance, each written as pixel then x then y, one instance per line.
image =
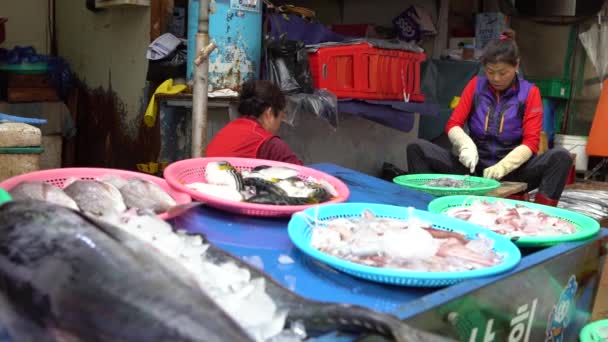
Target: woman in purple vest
pixel 504 115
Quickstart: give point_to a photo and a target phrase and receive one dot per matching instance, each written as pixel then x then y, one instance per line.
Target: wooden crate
pixel 28 81
pixel 32 95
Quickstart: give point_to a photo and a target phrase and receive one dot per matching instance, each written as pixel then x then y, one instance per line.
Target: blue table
pixel 261 241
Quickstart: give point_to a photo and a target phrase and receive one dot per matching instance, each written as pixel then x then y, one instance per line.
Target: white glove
pixel 510 162
pixel 464 147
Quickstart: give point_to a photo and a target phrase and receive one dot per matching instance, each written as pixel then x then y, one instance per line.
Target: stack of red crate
pixel 362 71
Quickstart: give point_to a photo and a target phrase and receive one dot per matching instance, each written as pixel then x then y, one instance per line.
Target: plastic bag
pixel 321 103
pixel 595 42
pixel 287 65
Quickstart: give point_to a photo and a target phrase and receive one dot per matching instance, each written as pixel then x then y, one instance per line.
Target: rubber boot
pixel 540 199
pixel 520 197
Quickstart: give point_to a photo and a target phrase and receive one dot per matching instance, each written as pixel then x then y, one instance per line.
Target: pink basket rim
pixel 172 173
pixel 82 172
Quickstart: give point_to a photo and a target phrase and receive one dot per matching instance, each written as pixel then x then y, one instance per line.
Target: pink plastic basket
pixel 193 170
pixel 58 177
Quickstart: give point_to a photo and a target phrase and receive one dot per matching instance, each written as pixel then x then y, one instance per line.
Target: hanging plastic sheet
pixel 441 81
pixel 286 65
pixel 595 42
pixel 322 103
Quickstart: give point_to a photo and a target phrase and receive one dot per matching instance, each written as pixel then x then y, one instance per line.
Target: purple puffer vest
pixel 497 127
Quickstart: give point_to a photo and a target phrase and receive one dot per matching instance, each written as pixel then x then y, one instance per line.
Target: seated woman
pixel 253 135
pixel 504 114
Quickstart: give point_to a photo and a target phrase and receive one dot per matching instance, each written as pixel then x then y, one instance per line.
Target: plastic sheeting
pixel 286 63
pixel 595 42
pixel 441 81
pixel 322 103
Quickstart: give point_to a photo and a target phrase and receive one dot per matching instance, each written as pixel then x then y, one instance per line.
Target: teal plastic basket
pixel 475 185
pixel 300 233
pixel 595 332
pixel 4 197
pixel 586 227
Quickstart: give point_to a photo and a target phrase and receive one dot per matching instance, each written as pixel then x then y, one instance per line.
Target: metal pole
pixel 199 92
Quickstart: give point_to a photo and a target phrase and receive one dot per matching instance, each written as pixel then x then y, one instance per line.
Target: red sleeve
pixel 276 149
pixel 463 109
pixel 533 120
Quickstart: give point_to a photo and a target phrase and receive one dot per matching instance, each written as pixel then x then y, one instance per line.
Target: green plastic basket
pixel 4 197
pixel 22 150
pixel 476 185
pixel 26 68
pixel 591 332
pixel 586 226
pixel 553 87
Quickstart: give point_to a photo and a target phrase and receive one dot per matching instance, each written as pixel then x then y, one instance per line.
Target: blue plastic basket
pixel 300 234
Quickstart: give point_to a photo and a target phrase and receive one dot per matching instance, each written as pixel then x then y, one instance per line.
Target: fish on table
pixel 77 277
pixel 42 191
pixel 72 275
pixel 263 184
pixel 108 195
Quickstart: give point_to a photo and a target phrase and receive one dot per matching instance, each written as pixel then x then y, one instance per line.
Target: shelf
pixel 121 3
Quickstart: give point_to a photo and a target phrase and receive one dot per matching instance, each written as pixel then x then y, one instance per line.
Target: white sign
pixel 245 5
pixel 521 325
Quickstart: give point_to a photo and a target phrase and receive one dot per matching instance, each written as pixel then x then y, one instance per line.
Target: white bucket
pixel 575 144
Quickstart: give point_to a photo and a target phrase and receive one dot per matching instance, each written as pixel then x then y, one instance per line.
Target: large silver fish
pixel 91 281
pixel 43 192
pixel 592 203
pixel 142 194
pixel 96 197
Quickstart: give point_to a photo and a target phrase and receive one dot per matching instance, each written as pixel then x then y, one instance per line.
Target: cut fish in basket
pixel 400 246
pixel 527 224
pixel 254 186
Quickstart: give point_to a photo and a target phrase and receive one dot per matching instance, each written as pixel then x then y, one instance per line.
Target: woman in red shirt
pixel 253 135
pixel 504 115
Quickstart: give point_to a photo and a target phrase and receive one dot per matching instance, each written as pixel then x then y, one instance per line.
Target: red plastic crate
pixel 361 71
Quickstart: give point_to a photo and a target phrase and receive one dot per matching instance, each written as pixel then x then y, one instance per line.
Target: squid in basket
pixel 400 244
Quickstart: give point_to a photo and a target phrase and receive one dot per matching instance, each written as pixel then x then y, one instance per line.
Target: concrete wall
pixel 107 49
pixel 543 49
pixel 27 24
pixel 358 144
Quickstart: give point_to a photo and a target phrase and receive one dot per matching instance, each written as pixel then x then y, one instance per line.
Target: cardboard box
pixel 458 42
pixel 488 26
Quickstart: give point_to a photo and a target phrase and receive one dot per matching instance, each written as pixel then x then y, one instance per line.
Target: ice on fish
pixel 254 261
pixel 512 221
pixel 42 191
pixel 231 287
pixel 285 259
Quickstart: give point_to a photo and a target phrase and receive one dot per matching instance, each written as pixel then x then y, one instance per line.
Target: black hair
pixel 503 50
pixel 257 95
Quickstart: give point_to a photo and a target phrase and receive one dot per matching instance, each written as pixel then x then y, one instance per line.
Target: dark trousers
pixel 547 172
